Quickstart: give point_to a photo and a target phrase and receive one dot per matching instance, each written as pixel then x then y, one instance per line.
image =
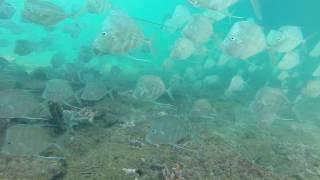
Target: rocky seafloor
pixel 114 147
pixel 106 139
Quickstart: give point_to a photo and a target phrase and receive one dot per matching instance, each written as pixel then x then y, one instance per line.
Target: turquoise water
pixel 135 91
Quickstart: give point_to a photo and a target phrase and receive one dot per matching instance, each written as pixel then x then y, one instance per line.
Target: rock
pixel 27 167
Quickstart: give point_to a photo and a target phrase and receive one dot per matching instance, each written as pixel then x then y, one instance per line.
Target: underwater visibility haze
pixel 159 90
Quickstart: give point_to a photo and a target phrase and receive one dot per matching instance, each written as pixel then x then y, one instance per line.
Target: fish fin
pixel 169 92
pixel 283 119
pixel 305 41
pixel 256 9
pixel 138 59
pixel 149 45
pixel 310 36
pixel 161 25
pixel 71 106
pixel 163 104
pixel 231 16
pixel 183 148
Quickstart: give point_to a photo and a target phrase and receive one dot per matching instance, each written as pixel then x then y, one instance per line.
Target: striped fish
pixel 43 12
pixel 168 129
pixel 120 35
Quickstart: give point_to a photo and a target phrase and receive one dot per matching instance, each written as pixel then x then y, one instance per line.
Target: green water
pixel 264 126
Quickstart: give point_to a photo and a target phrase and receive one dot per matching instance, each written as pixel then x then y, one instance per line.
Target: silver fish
pixel 169 130
pixel 149 88
pixel 267 103
pixel 178 19
pixel 58 90
pixel 183 49
pixel 285 39
pixel 244 40
pixel 43 12
pixel 199 29
pixel 120 35
pixel 94 91
pixel 98 6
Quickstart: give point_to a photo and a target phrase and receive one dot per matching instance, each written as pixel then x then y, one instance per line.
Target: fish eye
pixel 104 33
pixel 232 38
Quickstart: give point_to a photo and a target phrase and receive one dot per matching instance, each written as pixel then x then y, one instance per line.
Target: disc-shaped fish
pixel 178 19
pixel 289 61
pixel 269 99
pixel 57 91
pixel 244 40
pixel 43 12
pixel 237 83
pixel 285 39
pixel 267 103
pixel 149 88
pixel 199 29
pixel 169 130
pixel 183 49
pixel 119 36
pixel 94 91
